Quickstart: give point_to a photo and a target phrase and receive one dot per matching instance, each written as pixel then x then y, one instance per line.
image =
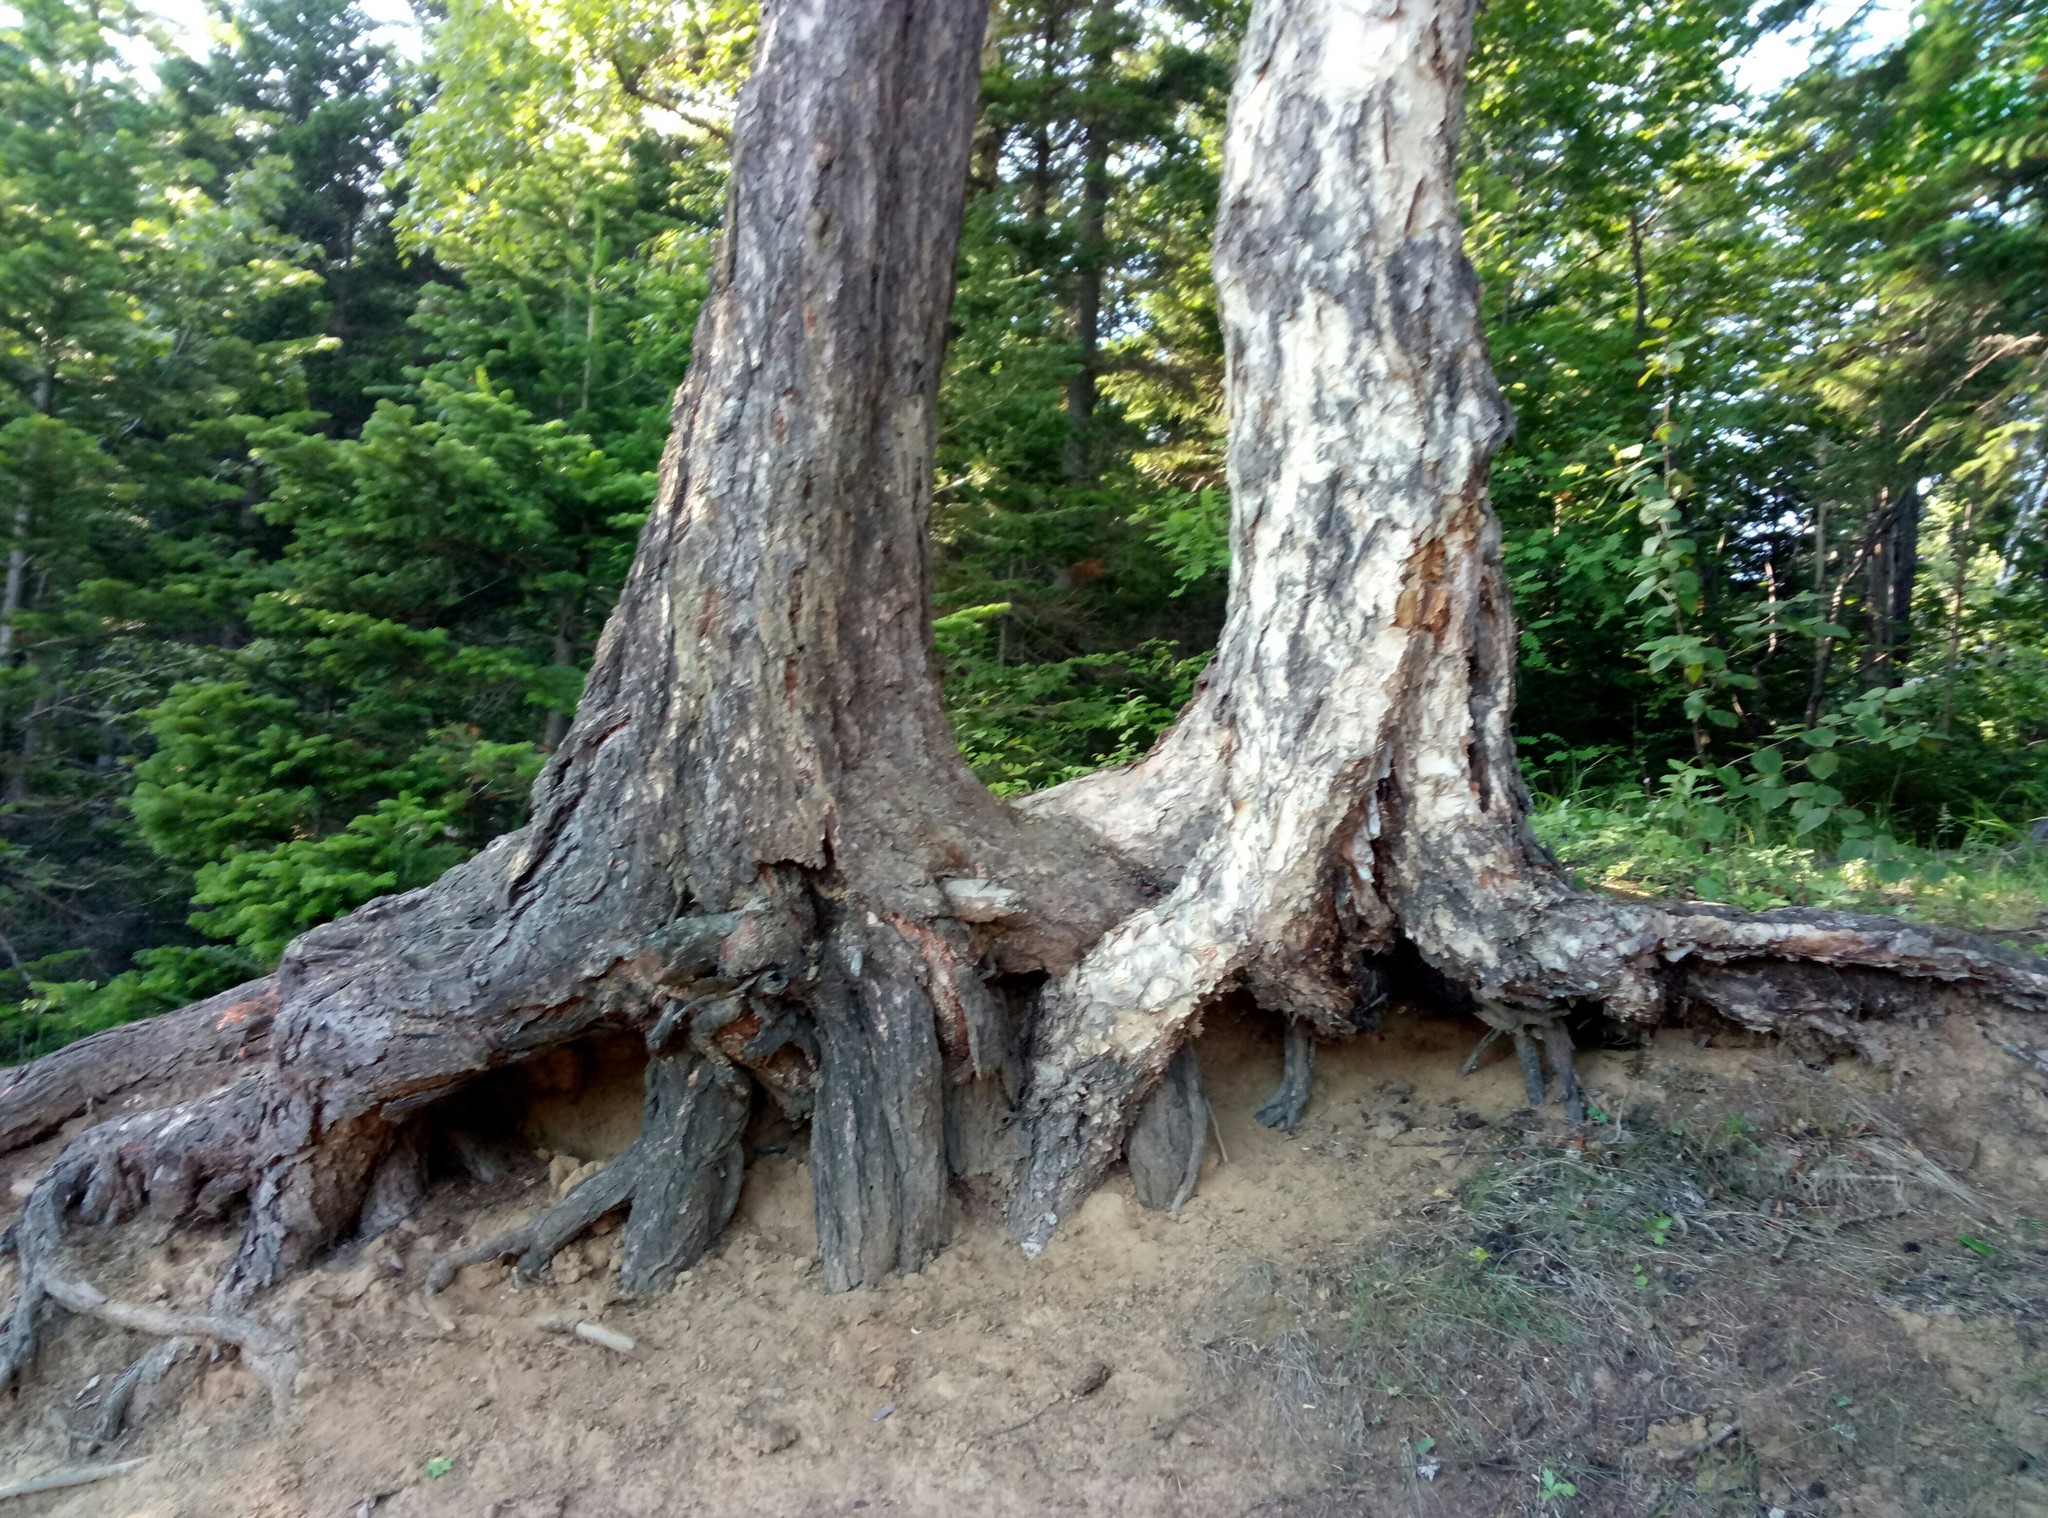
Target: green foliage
pixel 318 540
pixel 1026 726
pixel 1689 837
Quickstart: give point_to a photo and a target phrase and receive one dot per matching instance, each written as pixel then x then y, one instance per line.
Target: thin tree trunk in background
pixel 1091 253
pixel 1639 280
pixel 1038 203
pixel 17 577
pixel 1891 577
pixel 590 320
pixel 562 654
pixel 1959 581
pixel 1823 646
pixel 13 596
pixel 1833 603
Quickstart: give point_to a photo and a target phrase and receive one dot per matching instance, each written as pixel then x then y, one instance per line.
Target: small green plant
pixel 1659 1228
pixel 438 1467
pixel 1553 1488
pixel 1737 1129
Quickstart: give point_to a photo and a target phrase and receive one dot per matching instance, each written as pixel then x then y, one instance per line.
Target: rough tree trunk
pixel 757 846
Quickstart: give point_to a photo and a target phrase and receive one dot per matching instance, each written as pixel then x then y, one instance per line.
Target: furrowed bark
pixel 204 1043
pixel 757 812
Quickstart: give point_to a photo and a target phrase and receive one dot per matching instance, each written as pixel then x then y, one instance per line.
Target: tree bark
pixel 1893 571
pixel 1091 247
pixel 756 840
pixel 757 845
pixel 1341 799
pixel 14 594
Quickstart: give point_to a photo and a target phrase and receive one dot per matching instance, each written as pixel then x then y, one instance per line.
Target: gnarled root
pixel 209 1043
pixel 46 1279
pixel 1792 973
pixel 1171 1136
pixel 1285 1108
pixel 136 1392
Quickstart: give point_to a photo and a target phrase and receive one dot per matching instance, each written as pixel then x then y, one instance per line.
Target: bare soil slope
pixel 1322 1330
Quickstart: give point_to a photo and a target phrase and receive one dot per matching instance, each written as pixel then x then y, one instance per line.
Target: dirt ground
pixel 1220 1362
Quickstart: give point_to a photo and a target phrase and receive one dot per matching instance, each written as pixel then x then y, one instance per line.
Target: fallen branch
pixel 57 1481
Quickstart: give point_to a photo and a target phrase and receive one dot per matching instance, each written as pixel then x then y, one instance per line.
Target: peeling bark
pixel 1342 794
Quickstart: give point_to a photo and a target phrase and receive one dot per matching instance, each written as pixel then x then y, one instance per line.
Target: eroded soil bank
pixel 1387 1312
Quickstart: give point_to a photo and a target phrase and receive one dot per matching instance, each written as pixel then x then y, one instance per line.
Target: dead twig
pixel 57 1481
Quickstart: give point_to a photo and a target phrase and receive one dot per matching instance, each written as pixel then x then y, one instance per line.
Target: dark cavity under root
pixel 680 1179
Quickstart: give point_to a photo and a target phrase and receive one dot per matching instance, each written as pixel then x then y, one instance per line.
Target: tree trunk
pixel 758 847
pixel 1894 568
pixel 14 596
pixel 11 597
pixel 1341 800
pixel 1091 248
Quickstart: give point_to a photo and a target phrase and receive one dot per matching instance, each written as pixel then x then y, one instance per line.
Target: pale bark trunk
pixel 1091 256
pixel 758 846
pixel 1342 798
pixel 17 578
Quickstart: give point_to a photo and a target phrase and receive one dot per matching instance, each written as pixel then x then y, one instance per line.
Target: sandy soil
pixel 986 1385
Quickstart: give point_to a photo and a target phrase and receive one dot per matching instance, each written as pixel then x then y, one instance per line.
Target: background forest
pixel 334 376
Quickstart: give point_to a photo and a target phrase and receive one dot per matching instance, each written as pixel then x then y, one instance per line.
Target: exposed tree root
pixel 44 1277
pixel 1530 1057
pixel 758 846
pixel 148 1382
pixel 1557 1044
pixel 57 1481
pixel 680 1178
pixel 1486 1041
pixel 1289 1102
pixel 210 1042
pixel 1170 1136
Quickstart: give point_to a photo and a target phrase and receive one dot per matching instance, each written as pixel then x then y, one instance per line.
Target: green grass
pixel 1993 882
pixel 1739 1262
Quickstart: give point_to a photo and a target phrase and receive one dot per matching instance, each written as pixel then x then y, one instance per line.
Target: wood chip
pixel 597 1333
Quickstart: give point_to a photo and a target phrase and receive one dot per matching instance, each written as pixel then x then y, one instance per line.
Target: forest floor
pixel 1755 1286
